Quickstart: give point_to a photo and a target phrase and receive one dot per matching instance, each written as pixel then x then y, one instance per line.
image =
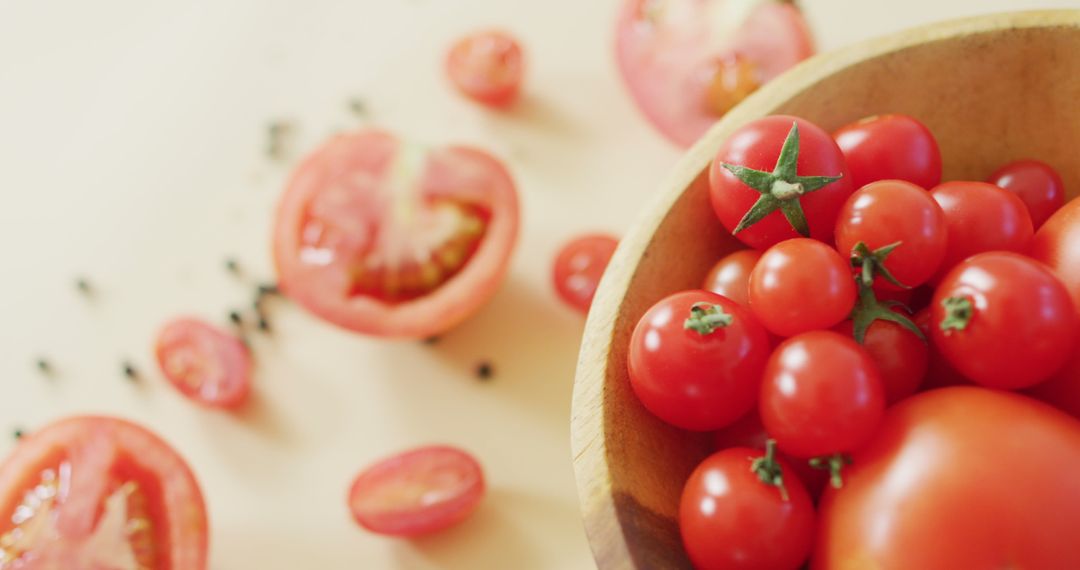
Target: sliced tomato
pixel 686 61
pixel 99 493
pixel 205 363
pixel 487 67
pixel 417 492
pixel 385 237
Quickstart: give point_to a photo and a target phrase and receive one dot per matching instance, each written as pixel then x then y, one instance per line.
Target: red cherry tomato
pixel 801 285
pixel 959 478
pixel 1036 183
pixel 901 357
pixel 939 373
pixel 417 492
pixel 750 432
pixel 383 237
pixel 980 217
pixel 730 518
pixel 892 211
pixel 206 364
pixel 696 358
pixel 579 266
pixel 487 67
pixel 730 276
pixel 890 147
pixel 686 62
pixel 821 394
pixel 757 146
pixel 95 492
pixel 1004 320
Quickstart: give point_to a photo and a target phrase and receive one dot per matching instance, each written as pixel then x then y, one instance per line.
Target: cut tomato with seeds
pixel 579 266
pixel 384 237
pixel 487 67
pixel 686 62
pixel 97 492
pixel 205 363
pixel 417 492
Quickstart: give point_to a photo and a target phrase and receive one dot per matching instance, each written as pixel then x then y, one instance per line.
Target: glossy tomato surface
pixel 385 237
pixel 1036 183
pixel 890 147
pixel 91 492
pixel 801 285
pixel 417 492
pixel 939 373
pixel 578 268
pixel 487 67
pixel 958 478
pixel 685 61
pixel 980 217
pixel 205 363
pixel 730 276
pixel 694 379
pixel 901 357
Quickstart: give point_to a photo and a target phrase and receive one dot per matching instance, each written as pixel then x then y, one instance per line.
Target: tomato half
pixel 890 147
pixel 686 62
pixel 800 285
pixel 1036 183
pixel 487 67
pixel 417 492
pixel 96 492
pixel 385 237
pixel 980 217
pixel 206 364
pixel 579 266
pixel 730 276
pixel 959 478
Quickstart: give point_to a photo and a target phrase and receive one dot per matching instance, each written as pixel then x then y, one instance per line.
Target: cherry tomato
pixel 821 394
pixel 417 492
pixel 1004 320
pixel 487 67
pixel 890 147
pixel 96 492
pixel 782 204
pixel 695 360
pixel 1057 244
pixel 748 431
pixel 383 237
pixel 1062 390
pixel 889 212
pixel 939 373
pixel 730 519
pixel 980 217
pixel 686 62
pixel 579 266
pixel 730 276
pixel 801 285
pixel 206 364
pixel 901 357
pixel 959 478
pixel 1036 183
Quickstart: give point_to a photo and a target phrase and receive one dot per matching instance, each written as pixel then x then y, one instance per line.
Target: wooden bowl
pixel 992 89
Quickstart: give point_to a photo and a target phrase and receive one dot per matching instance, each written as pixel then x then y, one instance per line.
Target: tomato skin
pixel 801 285
pixel 889 211
pixel 184 340
pixel 746 525
pixel 901 357
pixel 1023 327
pixel 1036 183
pixel 578 267
pixel 821 394
pixel 890 147
pixel 1057 244
pixel 757 145
pixel 980 217
pixel 487 67
pixel 730 276
pixel 748 431
pixel 958 486
pixel 695 381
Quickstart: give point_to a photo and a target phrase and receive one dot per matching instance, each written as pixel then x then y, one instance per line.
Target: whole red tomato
pixel 750 432
pixel 800 285
pixel 890 147
pixel 1003 320
pixel 730 276
pixel 696 359
pixel 1036 183
pixel 980 217
pixel 578 267
pixel 779 178
pixel 901 357
pixel 959 478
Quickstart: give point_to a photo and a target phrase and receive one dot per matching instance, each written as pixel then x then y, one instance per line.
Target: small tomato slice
pixel 205 363
pixel 487 67
pixel 579 266
pixel 1036 183
pixel 384 237
pixel 417 492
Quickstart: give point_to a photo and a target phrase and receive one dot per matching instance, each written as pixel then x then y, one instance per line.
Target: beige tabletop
pixel 132 152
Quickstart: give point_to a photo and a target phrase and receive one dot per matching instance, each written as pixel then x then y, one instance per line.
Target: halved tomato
pixel 386 237
pixel 205 363
pixel 99 493
pixel 686 62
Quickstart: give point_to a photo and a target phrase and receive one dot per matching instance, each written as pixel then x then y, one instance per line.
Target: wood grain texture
pixel 992 89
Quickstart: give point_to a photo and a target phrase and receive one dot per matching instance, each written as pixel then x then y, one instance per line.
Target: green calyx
pixel 705 318
pixel 835 463
pixel 780 189
pixel 868 309
pixel 768 469
pixel 958 313
pixel 872 263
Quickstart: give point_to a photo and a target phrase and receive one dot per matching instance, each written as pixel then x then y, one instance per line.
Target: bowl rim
pixel 588 445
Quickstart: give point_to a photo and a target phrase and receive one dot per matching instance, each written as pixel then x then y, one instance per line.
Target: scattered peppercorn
pixel 276 135
pixel 129 370
pixel 232 266
pixel 44 366
pixel 236 318
pixel 18 433
pixel 358 106
pixel 484 371
pixel 264 325
pixel 431 340
pixel 266 289
pixel 83 286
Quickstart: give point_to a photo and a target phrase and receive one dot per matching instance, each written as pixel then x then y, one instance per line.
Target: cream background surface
pixel 132 139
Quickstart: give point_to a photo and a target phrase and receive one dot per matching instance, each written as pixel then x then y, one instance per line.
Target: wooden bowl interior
pixel 992 89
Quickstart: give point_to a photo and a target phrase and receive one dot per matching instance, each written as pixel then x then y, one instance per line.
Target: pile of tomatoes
pixel 873 367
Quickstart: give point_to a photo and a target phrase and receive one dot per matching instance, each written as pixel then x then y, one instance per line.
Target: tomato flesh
pixel 205 363
pixel 579 266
